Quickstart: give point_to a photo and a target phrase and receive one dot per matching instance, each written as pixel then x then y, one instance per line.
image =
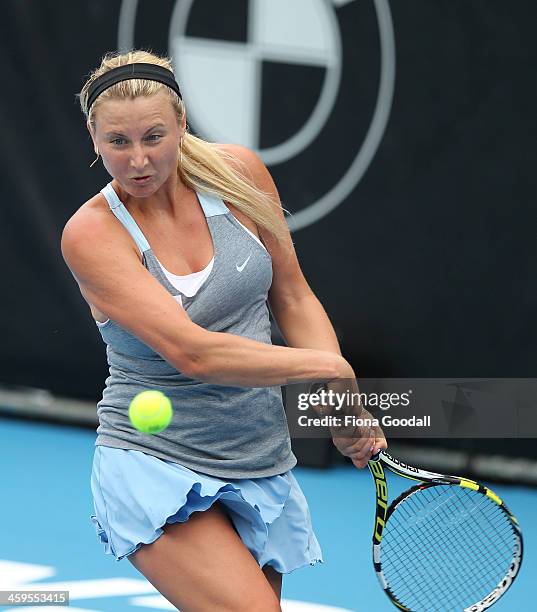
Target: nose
pixel 138 157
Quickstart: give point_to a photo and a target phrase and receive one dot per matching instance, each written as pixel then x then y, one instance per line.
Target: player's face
pixel 139 140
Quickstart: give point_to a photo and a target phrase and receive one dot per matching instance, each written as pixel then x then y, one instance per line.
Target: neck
pixel 167 200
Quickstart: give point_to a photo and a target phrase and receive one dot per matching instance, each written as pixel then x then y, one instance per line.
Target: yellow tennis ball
pixel 150 412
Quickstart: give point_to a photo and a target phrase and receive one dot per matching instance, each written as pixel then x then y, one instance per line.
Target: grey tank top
pixel 225 431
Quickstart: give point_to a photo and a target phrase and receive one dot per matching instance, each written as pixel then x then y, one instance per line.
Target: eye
pixel 117 141
pixel 154 137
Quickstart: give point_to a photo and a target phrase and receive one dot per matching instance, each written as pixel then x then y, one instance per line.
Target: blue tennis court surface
pixel 48 541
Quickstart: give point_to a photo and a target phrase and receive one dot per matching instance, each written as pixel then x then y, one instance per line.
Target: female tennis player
pixel 177 258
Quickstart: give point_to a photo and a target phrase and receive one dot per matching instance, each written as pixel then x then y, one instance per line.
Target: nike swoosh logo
pixel 241 268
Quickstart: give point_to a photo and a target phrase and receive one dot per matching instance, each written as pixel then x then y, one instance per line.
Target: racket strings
pixel 445 547
pixel 412 588
pixel 410 585
pixel 440 560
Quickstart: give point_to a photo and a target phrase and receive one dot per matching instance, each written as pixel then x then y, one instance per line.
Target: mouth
pixel 141 179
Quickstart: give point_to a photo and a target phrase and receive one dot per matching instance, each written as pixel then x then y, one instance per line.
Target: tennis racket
pixel 446 544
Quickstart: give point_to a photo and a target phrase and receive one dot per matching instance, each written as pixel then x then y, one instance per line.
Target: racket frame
pixel 383 510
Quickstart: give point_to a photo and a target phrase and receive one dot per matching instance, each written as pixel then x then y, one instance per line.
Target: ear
pixel 92 134
pixel 183 123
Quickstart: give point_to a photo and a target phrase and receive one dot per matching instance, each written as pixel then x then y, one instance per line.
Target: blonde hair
pixel 204 166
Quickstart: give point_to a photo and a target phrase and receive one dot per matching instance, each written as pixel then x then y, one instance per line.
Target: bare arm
pixel 299 314
pixel 112 278
pixel 304 323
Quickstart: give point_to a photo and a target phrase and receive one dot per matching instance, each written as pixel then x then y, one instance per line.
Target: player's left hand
pixel 365 442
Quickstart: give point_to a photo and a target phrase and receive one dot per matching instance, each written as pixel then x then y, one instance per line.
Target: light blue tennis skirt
pixel 135 494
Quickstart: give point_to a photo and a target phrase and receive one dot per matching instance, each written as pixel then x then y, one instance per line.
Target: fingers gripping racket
pixel 446 544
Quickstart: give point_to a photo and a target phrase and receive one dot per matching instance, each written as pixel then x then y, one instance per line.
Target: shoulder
pixel 89 221
pixel 91 228
pixel 250 165
pixel 242 154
